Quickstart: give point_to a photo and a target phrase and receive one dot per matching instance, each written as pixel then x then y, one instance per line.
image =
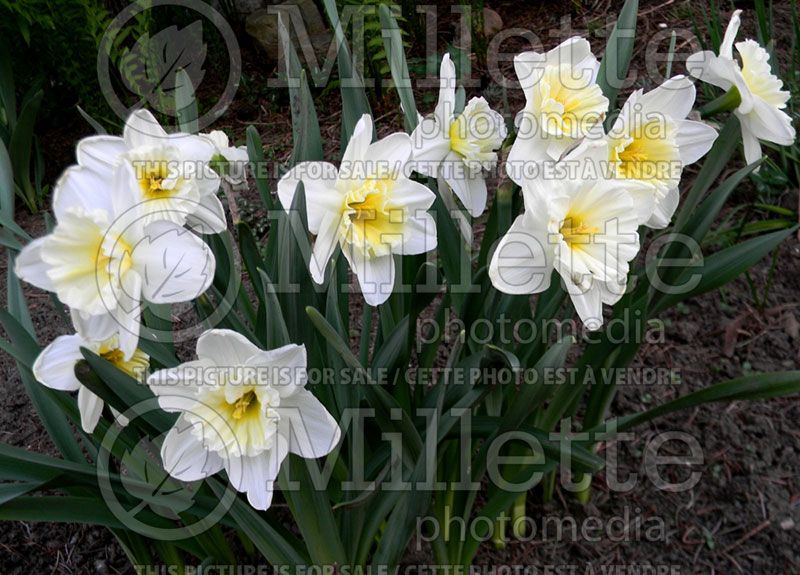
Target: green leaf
pixel 276 333
pixel 354 98
pixel 8 99
pixel 722 267
pixel 270 542
pixel 716 161
pixel 6 186
pixel 312 511
pixel 617 56
pixel 255 152
pixel 21 146
pixel 185 103
pixel 393 43
pixel 749 387
pixel 305 125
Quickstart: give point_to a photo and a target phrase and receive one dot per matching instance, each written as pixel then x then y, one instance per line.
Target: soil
pixel 743 513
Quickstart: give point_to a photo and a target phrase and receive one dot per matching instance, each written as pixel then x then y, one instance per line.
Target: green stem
pixel 584 492
pixel 518 516
pixel 499 533
pixel 548 486
pixel 728 102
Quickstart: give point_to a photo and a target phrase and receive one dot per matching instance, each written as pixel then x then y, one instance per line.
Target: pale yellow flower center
pixel 576 232
pixel 569 104
pixel 370 221
pixel 135 366
pixel 152 176
pixel 650 153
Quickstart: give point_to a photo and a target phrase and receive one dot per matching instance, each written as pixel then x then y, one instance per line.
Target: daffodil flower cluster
pixel 131 214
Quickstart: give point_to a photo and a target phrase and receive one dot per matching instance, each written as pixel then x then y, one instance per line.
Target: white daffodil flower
pixel 369 207
pixel 580 224
pixel 242 409
pixel 651 141
pixel 102 260
pixel 763 100
pixel 459 147
pixel 55 368
pixel 563 104
pixel 234 159
pixel 172 176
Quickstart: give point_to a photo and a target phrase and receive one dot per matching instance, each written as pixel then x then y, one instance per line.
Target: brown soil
pixel 742 516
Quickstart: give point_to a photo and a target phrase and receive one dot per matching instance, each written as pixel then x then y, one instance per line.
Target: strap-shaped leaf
pixel 617 56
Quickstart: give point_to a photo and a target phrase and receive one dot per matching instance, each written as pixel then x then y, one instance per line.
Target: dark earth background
pixel 743 516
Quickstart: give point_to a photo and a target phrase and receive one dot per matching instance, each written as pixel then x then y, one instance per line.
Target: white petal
pixel 93 327
pixel 752 147
pixel 712 69
pixel 587 301
pixel 175 265
pixel 29 267
pixel 431 145
pixel 100 154
pixel 128 311
pixel 446 106
pixel 726 47
pixel 664 210
pixel 310 430
pixel 525 155
pixel 572 51
pixel 522 263
pixel 528 67
pixel 177 387
pixel 209 217
pixel 375 276
pixel 80 187
pixel 694 140
pixel 356 150
pixel 388 156
pixel 289 362
pixel 184 457
pixel 419 234
pixel 674 99
pixel 324 246
pixel 142 129
pixel 55 365
pixel 412 195
pixel 225 347
pixel 766 122
pixel 319 184
pixel 469 187
pixel 256 475
pixel 90 407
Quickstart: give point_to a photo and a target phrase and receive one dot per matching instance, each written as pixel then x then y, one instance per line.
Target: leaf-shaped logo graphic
pixel 176 265
pixel 150 68
pixel 164 495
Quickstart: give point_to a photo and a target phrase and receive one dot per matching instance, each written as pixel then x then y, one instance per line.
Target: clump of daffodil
pixel 755 93
pixel 369 208
pixel 242 409
pixel 459 148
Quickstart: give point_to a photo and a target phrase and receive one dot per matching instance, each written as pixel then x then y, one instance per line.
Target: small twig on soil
pixel 756 530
